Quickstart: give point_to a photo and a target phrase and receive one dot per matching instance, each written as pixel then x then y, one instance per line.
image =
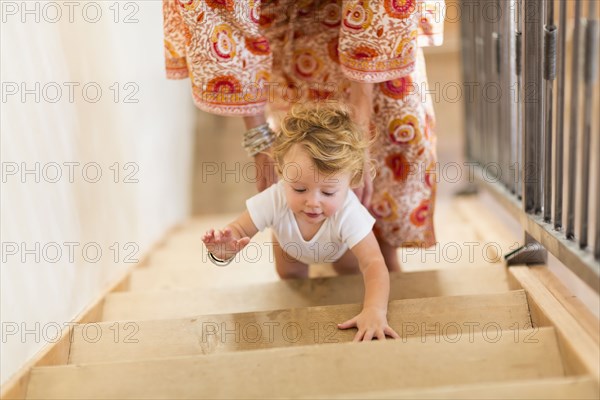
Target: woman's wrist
pixel 258 139
pixel 253 121
pixel 258 136
pixel 361 98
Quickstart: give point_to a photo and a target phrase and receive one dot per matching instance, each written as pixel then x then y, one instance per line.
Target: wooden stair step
pixel 570 387
pixel 196 275
pixel 443 254
pixel 300 293
pixel 199 276
pixel 186 275
pixel 488 225
pixel 315 370
pixel 136 340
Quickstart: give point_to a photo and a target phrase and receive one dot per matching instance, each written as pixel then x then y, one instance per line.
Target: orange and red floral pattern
pixel 258 46
pixel 222 43
pixel 227 5
pixel 399 165
pixel 306 63
pixel 358 16
pixel 405 130
pixel 384 207
pixel 400 8
pixel 419 215
pixel 397 88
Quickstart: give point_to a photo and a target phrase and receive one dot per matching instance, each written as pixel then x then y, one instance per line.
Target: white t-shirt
pixel 337 234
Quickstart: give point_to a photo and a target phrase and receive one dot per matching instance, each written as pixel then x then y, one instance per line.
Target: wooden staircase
pixel 187 329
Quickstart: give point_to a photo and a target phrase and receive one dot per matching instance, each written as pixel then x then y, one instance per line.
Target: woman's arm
pixel 264 163
pixel 361 99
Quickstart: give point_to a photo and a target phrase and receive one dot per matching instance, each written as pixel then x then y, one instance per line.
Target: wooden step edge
pixel 588 321
pixel 235 374
pixel 57 353
pixel 167 279
pixel 571 387
pixel 446 317
pixel 545 334
pixel 149 305
pixel 510 294
pixel 491 269
pixel 580 353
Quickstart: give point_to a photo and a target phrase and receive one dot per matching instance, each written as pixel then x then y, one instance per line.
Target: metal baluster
pixel 573 131
pixel 478 74
pixel 487 61
pixel 549 76
pixel 466 51
pixel 519 106
pixel 533 101
pixel 590 74
pixel 539 108
pixel 503 74
pixel 511 74
pixel 497 104
pixel 594 70
pixel 560 117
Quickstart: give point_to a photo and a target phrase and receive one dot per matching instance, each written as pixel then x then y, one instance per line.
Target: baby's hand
pixel 222 244
pixel 371 323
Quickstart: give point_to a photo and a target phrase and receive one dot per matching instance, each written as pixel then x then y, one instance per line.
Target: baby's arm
pixel 372 320
pixel 226 243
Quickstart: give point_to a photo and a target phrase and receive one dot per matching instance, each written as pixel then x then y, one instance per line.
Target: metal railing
pixel 534 118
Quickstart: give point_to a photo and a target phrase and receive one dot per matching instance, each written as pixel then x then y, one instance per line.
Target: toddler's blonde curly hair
pixel 334 142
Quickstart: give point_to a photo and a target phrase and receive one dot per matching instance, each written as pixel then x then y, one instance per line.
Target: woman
pixel 246 58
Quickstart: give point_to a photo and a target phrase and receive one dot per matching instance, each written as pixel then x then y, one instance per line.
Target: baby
pixel 314 214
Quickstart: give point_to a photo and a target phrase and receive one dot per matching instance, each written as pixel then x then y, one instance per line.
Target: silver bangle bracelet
pixel 258 139
pixel 218 262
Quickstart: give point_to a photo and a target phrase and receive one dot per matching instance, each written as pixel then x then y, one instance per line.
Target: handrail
pixel 543 107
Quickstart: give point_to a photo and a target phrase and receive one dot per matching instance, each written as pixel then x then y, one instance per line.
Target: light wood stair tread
pixel 137 340
pixel 570 387
pixel 300 293
pixel 198 276
pixel 315 370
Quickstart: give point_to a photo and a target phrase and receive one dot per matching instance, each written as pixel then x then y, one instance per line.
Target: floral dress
pixel 248 57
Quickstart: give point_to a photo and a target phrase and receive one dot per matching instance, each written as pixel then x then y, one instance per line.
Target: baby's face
pixel 311 195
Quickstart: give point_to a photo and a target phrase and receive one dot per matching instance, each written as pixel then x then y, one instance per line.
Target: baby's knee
pixel 345 268
pixel 347 264
pixel 292 274
pixel 292 271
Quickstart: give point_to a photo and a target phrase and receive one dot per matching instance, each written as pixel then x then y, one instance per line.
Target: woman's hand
pixel 222 244
pixel 371 323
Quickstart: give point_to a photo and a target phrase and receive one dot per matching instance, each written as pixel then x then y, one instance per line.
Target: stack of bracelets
pixel 258 139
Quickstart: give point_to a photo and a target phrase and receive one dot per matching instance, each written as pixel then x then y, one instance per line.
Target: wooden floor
pixel 469 327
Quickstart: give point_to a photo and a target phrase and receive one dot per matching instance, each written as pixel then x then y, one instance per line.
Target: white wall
pixel 154 135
